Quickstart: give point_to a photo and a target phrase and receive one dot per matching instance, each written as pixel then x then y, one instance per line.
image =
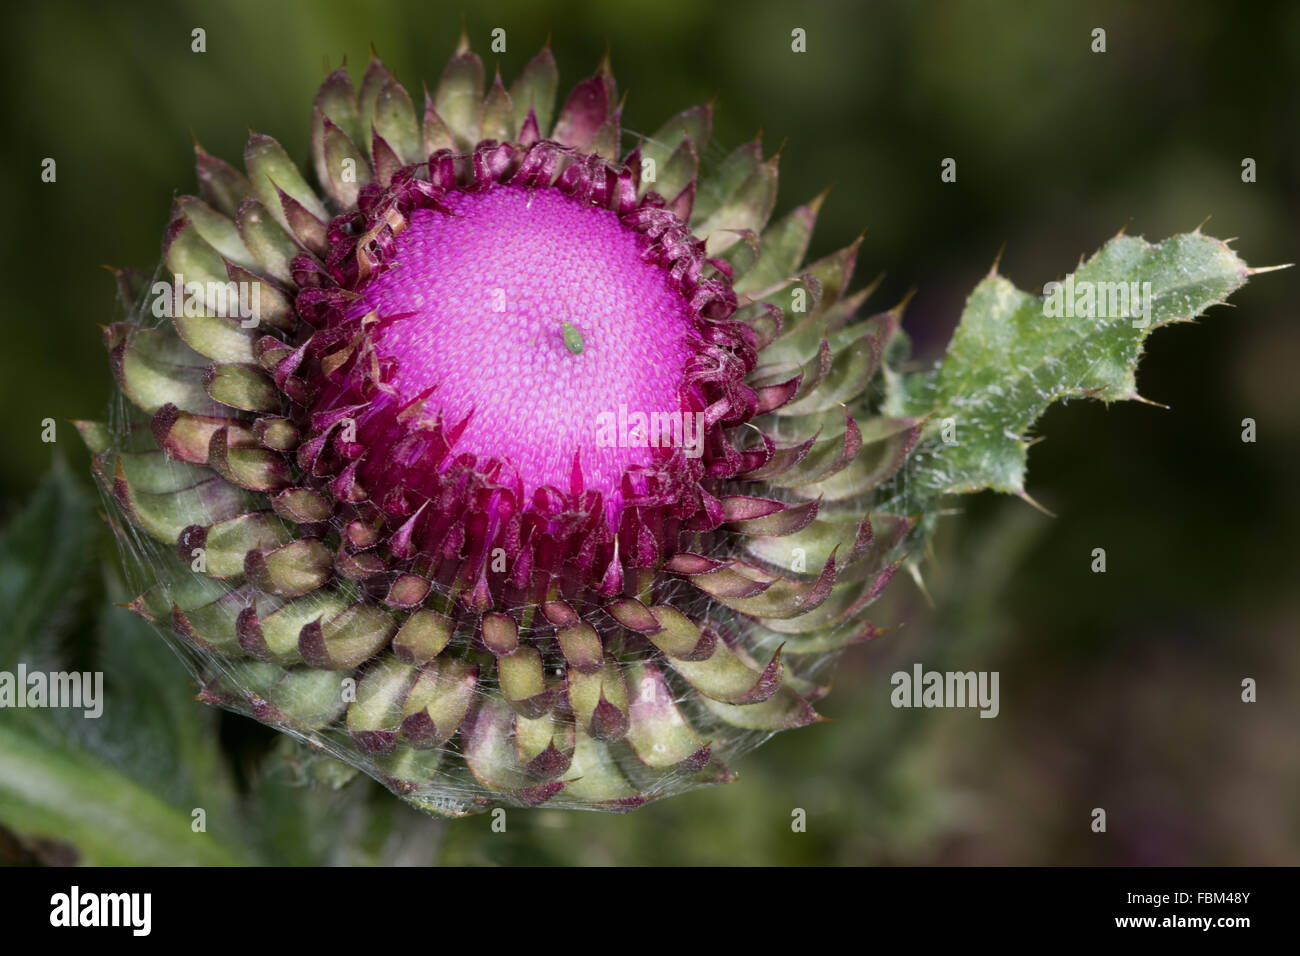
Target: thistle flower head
pixel 507 468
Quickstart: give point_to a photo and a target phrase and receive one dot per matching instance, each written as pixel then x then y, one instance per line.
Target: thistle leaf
pixel 1014 354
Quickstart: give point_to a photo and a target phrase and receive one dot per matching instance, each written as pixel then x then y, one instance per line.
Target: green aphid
pixel 572 338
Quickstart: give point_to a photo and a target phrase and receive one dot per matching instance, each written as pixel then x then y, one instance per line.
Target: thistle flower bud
pixel 494 468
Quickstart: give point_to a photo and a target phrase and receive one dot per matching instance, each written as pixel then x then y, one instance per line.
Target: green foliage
pixel 118 788
pixel 122 788
pixel 44 555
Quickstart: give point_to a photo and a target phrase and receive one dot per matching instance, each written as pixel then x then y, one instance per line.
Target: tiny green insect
pixel 572 338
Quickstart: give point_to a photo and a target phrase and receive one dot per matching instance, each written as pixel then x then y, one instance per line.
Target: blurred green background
pixel 1119 690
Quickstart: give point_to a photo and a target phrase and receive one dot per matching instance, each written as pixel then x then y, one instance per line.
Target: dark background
pixel 1119 690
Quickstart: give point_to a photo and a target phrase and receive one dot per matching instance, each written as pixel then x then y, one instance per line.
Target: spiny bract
pixel 504 469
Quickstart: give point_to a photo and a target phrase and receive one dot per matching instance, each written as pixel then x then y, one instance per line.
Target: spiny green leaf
pixel 1013 355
